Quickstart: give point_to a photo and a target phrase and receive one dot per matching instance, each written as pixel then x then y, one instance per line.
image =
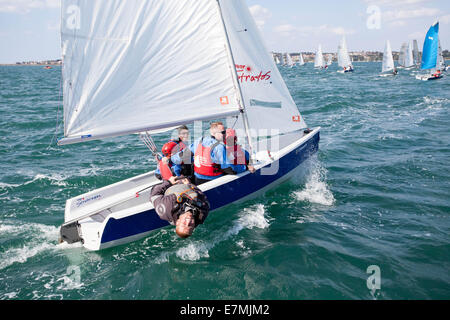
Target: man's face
pixel 218 133
pixel 185 224
pixel 184 135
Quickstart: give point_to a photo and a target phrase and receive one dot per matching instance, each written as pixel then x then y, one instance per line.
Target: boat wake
pixel 316 189
pixel 39 237
pixel 249 218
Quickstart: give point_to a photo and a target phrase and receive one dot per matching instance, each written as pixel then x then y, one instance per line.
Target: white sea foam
pixel 249 218
pixel 316 189
pixel 40 238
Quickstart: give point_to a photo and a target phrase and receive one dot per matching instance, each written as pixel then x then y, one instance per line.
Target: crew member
pixel 236 155
pixel 181 204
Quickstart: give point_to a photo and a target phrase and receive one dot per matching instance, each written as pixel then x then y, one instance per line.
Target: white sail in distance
pixel 289 60
pixel 416 53
pixel 319 62
pixel 330 60
pixel 301 61
pixel 268 103
pixel 440 65
pixel 409 59
pixel 136 65
pixel 402 55
pixel 388 60
pixel 343 55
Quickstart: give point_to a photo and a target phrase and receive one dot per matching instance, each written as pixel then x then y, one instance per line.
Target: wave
pixel 249 218
pixel 41 238
pixel 316 188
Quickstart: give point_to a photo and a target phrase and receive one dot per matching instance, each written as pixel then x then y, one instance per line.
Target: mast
pixel 235 78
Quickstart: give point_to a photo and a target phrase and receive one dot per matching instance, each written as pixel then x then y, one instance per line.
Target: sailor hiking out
pixel 181 204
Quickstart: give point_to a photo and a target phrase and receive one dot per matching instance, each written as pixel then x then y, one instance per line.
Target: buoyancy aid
pixel 171 147
pixel 202 161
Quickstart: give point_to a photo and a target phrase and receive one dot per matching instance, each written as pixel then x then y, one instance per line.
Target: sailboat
pixel 344 58
pixel 430 55
pixel 301 62
pixel 116 82
pixel 388 68
pixel 409 57
pixel 416 54
pixel 441 61
pixel 289 61
pixel 402 55
pixel 330 60
pixel 319 62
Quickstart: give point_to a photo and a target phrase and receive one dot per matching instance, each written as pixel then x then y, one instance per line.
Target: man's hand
pixel 251 168
pixel 165 160
pixel 173 180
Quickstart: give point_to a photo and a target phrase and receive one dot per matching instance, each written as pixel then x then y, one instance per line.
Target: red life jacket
pixel 202 161
pixel 165 170
pixel 236 155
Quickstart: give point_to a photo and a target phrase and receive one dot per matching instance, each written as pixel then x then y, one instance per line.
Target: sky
pixel 29 29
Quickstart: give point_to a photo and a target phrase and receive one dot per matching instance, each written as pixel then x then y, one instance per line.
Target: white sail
pixel 330 60
pixel 301 61
pixel 440 65
pixel 416 53
pixel 289 60
pixel 402 55
pixel 277 61
pixel 136 65
pixel 388 60
pixel 409 59
pixel 268 103
pixel 343 55
pixel 318 60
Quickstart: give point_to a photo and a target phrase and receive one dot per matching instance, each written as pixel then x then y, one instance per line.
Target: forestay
pixel 137 65
pixel 268 103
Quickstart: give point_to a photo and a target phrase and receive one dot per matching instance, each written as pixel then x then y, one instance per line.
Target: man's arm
pixel 163 204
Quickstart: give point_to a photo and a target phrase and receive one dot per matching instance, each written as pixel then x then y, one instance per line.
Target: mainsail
pixel 343 55
pixel 269 106
pixel 388 60
pixel 402 55
pixel 440 61
pixel 137 65
pixel 409 59
pixel 430 48
pixel 318 60
pixel 289 60
pixel 416 53
pixel 301 61
pixel 330 60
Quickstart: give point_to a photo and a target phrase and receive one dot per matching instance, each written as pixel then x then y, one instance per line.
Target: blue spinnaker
pixel 430 48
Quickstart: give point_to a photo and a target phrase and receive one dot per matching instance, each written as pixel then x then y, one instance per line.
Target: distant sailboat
pixel 277 61
pixel 388 68
pixel 289 61
pixel 430 55
pixel 344 58
pixel 409 57
pixel 301 62
pixel 330 60
pixel 441 62
pixel 402 55
pixel 319 62
pixel 416 53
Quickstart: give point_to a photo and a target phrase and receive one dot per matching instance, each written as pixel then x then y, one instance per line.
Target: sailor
pixel 172 147
pixel 236 155
pixel 165 168
pixel 180 203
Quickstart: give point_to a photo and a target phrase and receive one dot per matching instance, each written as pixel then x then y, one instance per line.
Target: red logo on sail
pixel 296 118
pixel 224 100
pixel 245 74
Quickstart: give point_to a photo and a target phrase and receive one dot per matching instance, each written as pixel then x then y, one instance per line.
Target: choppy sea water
pixel 376 194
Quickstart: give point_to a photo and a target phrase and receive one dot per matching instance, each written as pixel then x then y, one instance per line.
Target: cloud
pixel 260 15
pixel 25 6
pixel 394 3
pixel 392 15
